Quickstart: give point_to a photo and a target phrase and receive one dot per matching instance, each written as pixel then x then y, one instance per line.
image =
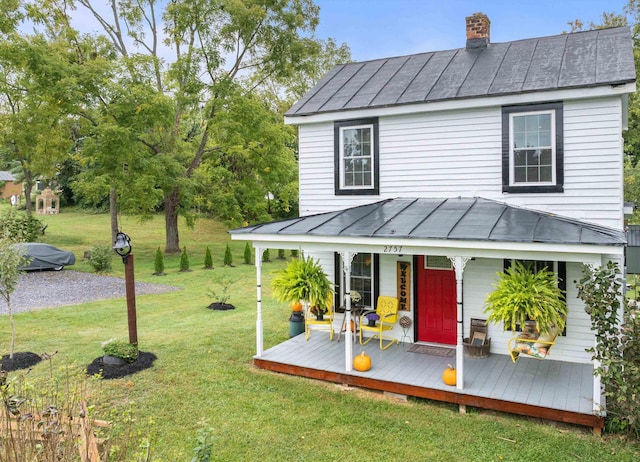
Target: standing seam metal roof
pixel 461 218
pixel 582 59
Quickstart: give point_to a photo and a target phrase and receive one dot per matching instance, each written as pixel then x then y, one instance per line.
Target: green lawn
pixel 204 372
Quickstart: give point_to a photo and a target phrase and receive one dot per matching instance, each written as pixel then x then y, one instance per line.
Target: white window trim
pixel 553 149
pixel 371 158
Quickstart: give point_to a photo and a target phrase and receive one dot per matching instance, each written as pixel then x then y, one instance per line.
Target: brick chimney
pixel 478 26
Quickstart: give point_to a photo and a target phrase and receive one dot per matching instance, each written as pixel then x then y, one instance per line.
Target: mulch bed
pixel 221 306
pixel 22 360
pixel 145 361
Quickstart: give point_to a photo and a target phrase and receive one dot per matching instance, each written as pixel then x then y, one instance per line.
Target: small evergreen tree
pixel 281 254
pixel 208 260
pixel 228 257
pixel 247 254
pixel 184 260
pixel 159 263
pixel 265 256
pixel 294 253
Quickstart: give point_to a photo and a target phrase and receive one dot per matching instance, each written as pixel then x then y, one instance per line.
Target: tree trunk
pixel 28 187
pixel 171 204
pixel 113 212
pixel 13 327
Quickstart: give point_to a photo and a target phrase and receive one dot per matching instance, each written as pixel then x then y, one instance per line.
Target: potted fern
pixel 521 295
pixel 304 280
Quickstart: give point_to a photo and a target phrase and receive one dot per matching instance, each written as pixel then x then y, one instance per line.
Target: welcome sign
pixel 404 285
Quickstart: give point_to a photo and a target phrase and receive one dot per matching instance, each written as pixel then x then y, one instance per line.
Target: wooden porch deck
pixel 553 390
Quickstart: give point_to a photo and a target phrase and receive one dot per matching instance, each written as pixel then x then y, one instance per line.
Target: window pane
pixel 545 157
pixel 546 173
pixel 532 153
pixel 361 277
pixel 545 138
pixel 357 156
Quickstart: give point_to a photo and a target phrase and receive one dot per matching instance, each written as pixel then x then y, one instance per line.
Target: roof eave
pixel 564 94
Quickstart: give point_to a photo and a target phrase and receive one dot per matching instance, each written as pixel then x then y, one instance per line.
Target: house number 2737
pixel 392 249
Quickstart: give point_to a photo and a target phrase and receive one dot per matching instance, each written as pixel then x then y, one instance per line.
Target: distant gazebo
pixel 47 203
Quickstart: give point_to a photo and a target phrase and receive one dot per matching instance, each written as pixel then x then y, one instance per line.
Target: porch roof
pixel 459 218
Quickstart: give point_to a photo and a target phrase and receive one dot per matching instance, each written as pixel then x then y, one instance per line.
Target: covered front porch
pixel 554 390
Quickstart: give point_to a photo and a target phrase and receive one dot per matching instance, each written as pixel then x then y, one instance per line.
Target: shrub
pixel 208 260
pixel 20 227
pixel 247 254
pixel 265 256
pixel 120 349
pixel 617 350
pixel 99 258
pixel 294 253
pixel 228 257
pixel 158 263
pixel 184 260
pixel 220 295
pixel 281 254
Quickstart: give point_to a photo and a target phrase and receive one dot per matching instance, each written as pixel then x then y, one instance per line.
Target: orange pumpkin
pixel 362 362
pixel 449 375
pixel 296 307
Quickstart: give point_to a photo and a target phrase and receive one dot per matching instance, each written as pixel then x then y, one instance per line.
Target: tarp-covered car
pixel 45 256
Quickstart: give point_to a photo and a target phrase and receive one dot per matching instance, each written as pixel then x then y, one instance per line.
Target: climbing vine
pixel 617 350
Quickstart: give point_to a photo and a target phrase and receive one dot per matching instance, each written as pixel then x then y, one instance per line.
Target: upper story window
pixel 356 156
pixel 532 148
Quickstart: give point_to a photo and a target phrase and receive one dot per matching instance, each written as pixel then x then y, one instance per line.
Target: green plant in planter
pixel 304 280
pixel 521 295
pixel 120 349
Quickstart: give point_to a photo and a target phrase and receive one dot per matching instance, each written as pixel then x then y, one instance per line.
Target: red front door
pixel 436 304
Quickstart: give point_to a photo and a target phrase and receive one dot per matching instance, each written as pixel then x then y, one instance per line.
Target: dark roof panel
pixel 544 69
pixel 460 218
pixel 396 87
pixel 428 76
pixel 481 76
pixel 612 65
pixel 582 59
pixel 511 75
pixel 579 61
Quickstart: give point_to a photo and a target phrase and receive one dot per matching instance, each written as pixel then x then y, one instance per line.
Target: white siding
pixel 458 153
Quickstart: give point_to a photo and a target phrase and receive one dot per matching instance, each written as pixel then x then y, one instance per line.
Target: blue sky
pixel 384 28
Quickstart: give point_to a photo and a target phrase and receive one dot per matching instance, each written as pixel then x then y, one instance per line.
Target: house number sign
pixel 392 249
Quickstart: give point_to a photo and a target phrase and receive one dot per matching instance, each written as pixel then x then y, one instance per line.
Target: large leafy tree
pixel 34 128
pixel 203 59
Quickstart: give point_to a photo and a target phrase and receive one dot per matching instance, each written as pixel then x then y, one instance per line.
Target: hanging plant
pixel 521 295
pixel 304 280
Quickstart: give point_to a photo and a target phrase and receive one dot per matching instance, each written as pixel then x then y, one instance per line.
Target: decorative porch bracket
pixel 458 264
pixel 347 259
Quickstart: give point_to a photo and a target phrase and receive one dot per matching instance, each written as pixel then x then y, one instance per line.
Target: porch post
pixel 459 264
pixel 259 324
pixel 347 258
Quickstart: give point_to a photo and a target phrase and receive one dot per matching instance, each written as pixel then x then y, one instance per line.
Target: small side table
pixel 356 311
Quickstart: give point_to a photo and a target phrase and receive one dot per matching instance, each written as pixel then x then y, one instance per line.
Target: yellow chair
pixel 387 309
pixel 311 322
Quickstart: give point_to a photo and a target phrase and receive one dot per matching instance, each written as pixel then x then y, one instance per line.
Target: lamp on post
pixel 122 246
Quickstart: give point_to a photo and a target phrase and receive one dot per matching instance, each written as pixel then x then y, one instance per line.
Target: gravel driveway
pixel 48 289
